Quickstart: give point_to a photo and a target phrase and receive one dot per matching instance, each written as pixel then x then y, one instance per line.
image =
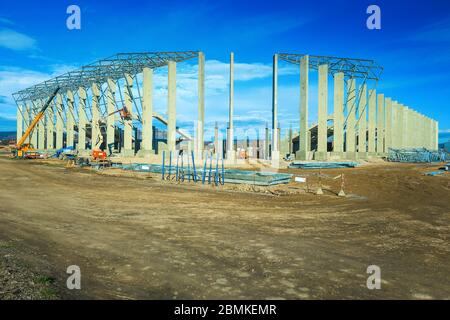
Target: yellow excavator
pixel 23 149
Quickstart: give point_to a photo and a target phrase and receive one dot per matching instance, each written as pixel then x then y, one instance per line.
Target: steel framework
pixel 356 68
pixel 114 67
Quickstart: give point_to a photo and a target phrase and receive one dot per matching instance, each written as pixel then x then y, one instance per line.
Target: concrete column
pixel 59 121
pixel 201 106
pixel 147 114
pixel 171 106
pixel 128 124
pixel 388 129
pixel 19 126
pixel 34 134
pixel 216 139
pixel 351 120
pixel 400 126
pixel 290 147
pixel 380 124
pixel 322 127
pixel 405 127
pixel 266 143
pixel 70 120
pixel 231 154
pixel 338 114
pixel 275 135
pixel 26 121
pixel 41 128
pixel 82 120
pixel 362 122
pixel 96 135
pixel 394 127
pixel 436 135
pixel 304 145
pixel 110 108
pixel 50 128
pixel 371 123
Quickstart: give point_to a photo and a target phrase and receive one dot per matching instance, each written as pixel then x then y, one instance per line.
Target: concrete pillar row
pixel 362 122
pixel 350 141
pixel 82 119
pixel 201 106
pixel 128 150
pixel 322 128
pixel 171 106
pixel 304 142
pixel 338 114
pixel 19 123
pixel 70 119
pixel 231 154
pixel 147 114
pixel 380 124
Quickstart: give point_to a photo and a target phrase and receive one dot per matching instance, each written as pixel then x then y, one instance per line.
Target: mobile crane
pixel 22 149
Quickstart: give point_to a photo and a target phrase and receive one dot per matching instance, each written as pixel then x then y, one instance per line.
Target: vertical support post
pixel 436 136
pixel 96 135
pixel 322 127
pixel 70 121
pixel 19 126
pixel 350 136
pixel 128 123
pixel 380 124
pixel 81 119
pixel 388 129
pixel 201 105
pixel 304 143
pixel 231 155
pixel 147 114
pixel 266 142
pixel 50 128
pixel 34 134
pixel 59 121
pixel 110 108
pixel 400 125
pixel 405 127
pixel 216 139
pixel 338 115
pixel 275 137
pixel 41 129
pixel 371 123
pixel 171 106
pixel 362 133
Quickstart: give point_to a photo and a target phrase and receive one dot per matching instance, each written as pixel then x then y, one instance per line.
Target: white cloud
pixel 13 79
pixel 14 40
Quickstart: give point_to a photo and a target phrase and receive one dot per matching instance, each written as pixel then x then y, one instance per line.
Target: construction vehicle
pixel 25 149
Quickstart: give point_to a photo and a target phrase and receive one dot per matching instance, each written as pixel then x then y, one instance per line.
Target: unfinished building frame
pixel 85 108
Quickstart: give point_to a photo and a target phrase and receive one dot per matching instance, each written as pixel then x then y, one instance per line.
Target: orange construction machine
pixel 26 150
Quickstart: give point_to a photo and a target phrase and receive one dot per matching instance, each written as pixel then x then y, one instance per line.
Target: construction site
pixel 153 210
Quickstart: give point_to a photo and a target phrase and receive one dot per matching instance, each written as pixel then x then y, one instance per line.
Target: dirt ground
pixel 134 236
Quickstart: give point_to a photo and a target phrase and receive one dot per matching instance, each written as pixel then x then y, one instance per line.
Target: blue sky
pixel 413 46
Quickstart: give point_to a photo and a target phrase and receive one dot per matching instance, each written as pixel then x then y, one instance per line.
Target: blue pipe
pixel 193 166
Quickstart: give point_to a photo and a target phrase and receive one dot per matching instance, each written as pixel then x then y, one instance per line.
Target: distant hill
pixel 7 135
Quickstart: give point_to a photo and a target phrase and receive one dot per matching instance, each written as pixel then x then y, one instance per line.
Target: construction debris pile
pixel 417 155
